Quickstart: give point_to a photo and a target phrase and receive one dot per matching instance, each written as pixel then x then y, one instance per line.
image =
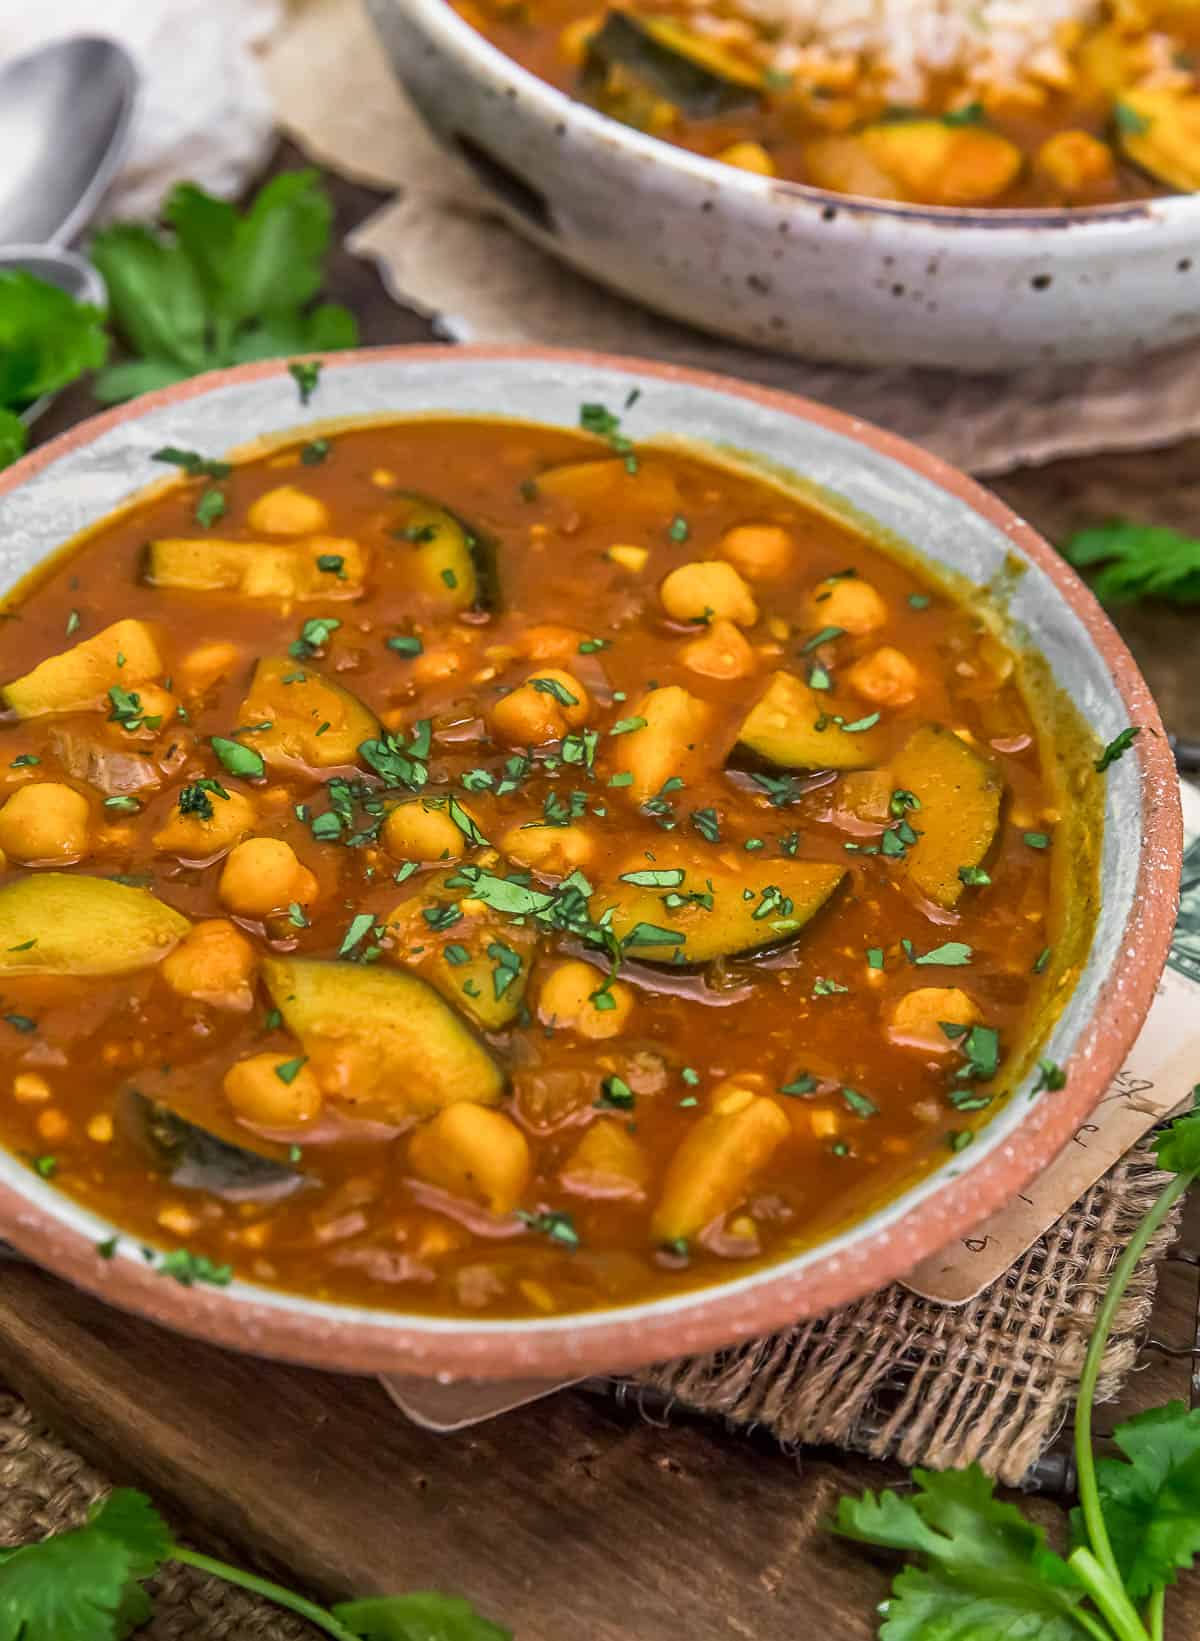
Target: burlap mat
pixel 443 249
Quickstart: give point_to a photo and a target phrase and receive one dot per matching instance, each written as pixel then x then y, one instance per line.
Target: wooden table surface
pixel 572 1517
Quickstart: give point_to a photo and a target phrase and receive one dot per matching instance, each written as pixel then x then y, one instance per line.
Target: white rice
pixel 902 42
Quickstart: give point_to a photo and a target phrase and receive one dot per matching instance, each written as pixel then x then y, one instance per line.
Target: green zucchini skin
pixel 196 1160
pixel 468 554
pixel 698 91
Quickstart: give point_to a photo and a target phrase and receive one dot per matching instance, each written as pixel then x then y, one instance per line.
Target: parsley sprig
pixel 986 1572
pixel 86 1584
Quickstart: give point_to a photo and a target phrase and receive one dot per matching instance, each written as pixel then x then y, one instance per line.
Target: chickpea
pixel 748 156
pixel 551 643
pixel 759 552
pixel 886 678
pixel 1075 162
pixel 263 875
pixel 916 1018
pixel 552 850
pixel 722 651
pixel 473 1152
pixel 706 589
pixel 197 837
pixel 214 963
pixel 45 822
pixel 257 1091
pixel 568 999
pixel 531 715
pixel 848 603
pixel 288 511
pixel 417 830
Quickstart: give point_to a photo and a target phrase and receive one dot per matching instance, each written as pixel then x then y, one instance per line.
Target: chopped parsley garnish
pixel 707 824
pixel 779 789
pixel 598 419
pixel 314 635
pixel 651 934
pixel 800 1086
pixel 667 877
pixel 874 957
pixel 24 761
pixel 507 967
pixel 825 636
pixel 398 762
pixel 442 915
pixel 332 564
pixel 626 726
pixel 21 1022
pixel 1037 840
pixel 463 821
pixel 919 601
pixel 196 797
pixel 980 1045
pixel 187 1268
pixel 1041 960
pixel 974 877
pixel 288 1070
pixel 590 646
pixel 559 1227
pixel 1050 1078
pixel 127 710
pixel 959 1138
pixel 210 508
pixel 616 1094
pixel 690 1076
pixel 72 622
pixel 580 747
pixel 679 529
pixel 360 928
pixel 818 677
pixel 297 916
pixel 827 988
pixel 449 577
pixel 860 1104
pixel 192 463
pixel 406 644
pixel 314 452
pixel 239 759
pixel 1117 747
pixel 45 1167
pixel 124 802
pixel 623 777
pixel 954 954
pixel 560 692
pixel 306 373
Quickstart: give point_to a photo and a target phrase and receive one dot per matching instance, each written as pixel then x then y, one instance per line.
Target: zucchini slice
pixel 78 679
pixel 796 728
pixel 451 561
pixel 196 1159
pixel 321 567
pixel 381 1042
pixel 767 904
pixel 960 794
pixel 480 963
pixel 61 923
pixel 694 74
pixel 311 722
pixel 1160 132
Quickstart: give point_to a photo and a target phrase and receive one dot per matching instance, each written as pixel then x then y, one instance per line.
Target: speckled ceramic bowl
pixel 785 266
pixel 953 525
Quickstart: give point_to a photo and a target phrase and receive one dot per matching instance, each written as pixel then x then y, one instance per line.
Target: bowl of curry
pixel 979 187
pixel 523 863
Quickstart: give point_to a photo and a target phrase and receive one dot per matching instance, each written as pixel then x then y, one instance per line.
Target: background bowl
pixel 78 478
pixel 784 266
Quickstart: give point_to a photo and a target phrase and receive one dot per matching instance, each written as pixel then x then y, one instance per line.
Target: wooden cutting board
pixel 567 1518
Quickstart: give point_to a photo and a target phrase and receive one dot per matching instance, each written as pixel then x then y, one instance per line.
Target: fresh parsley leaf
pixel 1117 747
pixel 422 1616
pixel 1138 561
pixel 211 506
pixel 1050 1078
pixel 989 1574
pixel 557 1226
pixel 1178 1146
pixel 218 286
pixel 559 691
pixel 47 339
pixel 188 1268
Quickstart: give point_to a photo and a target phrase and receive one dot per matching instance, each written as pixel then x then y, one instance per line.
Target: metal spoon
pixel 66 110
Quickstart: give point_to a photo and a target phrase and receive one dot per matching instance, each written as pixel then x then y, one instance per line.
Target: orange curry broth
pixel 360 1227
pixel 549 38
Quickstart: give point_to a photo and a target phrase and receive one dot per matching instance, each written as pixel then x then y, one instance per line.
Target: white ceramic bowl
pixel 785 266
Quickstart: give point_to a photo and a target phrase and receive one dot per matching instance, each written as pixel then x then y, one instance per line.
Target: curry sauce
pixel 477 868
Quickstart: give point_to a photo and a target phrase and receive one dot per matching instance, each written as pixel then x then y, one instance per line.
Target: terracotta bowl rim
pixel 478 48
pixel 292 1328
